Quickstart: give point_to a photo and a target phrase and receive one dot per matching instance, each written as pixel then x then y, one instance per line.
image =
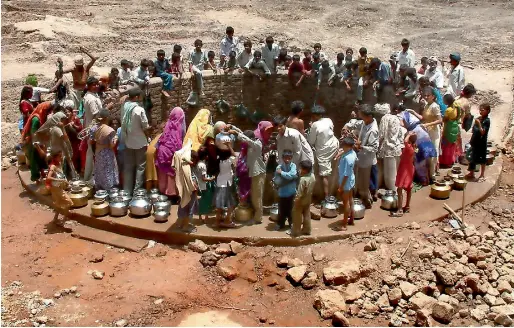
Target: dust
pixel 208 319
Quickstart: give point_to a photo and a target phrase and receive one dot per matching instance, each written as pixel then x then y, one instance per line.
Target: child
pixel 302 201
pixel 349 56
pixel 347 179
pixel 288 62
pixel 231 64
pixel 316 64
pixel 424 65
pixel 307 62
pixel 197 61
pixel 478 143
pixel 339 67
pixel 162 67
pixel 205 185
pixel 326 70
pixel 111 81
pixel 211 64
pixel 224 197
pixel 406 173
pixel 141 75
pixel 57 183
pixel 285 179
pixel 282 55
pixel 317 50
pixel 348 75
pixel 176 65
pixel 126 72
pixel 185 214
pixel 295 69
pixel 59 88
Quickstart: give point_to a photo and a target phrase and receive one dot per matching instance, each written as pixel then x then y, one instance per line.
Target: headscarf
pixel 67 103
pixel 51 122
pixel 41 112
pixel 217 126
pixel 31 80
pixel 126 120
pixel 260 131
pixel 199 129
pixel 170 141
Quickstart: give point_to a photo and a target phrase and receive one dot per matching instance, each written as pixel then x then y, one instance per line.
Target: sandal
pixel 406 209
pixel 397 214
pixel 482 179
pixel 190 229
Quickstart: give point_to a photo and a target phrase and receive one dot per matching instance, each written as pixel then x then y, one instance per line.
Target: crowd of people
pixel 75 134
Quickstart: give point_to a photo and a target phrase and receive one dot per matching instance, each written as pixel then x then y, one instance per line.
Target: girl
pixel 206 185
pixel 405 174
pixel 479 143
pixel 25 106
pixel 57 183
pixel 224 199
pixel 244 182
pixel 184 161
pixel 451 132
pixel 104 139
pixel 170 142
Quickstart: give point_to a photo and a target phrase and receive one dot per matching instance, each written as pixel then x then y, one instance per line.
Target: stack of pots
pixel 119 201
pixel 140 205
pixel 100 206
pixel 161 208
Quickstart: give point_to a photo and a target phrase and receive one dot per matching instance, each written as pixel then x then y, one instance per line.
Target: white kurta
pixel 456 81
pixel 293 140
pixel 321 137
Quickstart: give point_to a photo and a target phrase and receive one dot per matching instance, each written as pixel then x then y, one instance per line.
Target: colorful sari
pixel 105 168
pixel 242 172
pixel 199 129
pixel 424 144
pixel 451 133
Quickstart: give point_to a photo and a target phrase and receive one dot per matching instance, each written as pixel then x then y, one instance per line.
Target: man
pixel 80 75
pixel 162 69
pixel 406 56
pixel 321 137
pixel 257 63
pixel 229 43
pixel 390 138
pixel 135 133
pixel 367 147
pixel 382 74
pixel 126 73
pixel 434 74
pixel 245 56
pixel 294 121
pixel 363 62
pixel 326 70
pixel 270 53
pixel 456 80
pixel 92 106
pixel 293 140
pixel 197 61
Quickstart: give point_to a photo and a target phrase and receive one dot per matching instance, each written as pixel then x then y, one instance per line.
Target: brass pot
pixel 243 213
pixel 22 159
pixel 450 181
pixel 100 208
pixel 440 190
pixel 489 159
pixel 460 183
pixel 88 190
pixel 492 150
pixel 78 197
pixel 454 172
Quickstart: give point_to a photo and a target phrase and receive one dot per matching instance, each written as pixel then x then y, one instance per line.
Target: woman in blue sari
pixel 425 147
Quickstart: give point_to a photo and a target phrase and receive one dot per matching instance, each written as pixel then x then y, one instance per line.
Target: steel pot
pixel 99 208
pixel 273 213
pixel 140 192
pixel 389 201
pixel 161 216
pixel 78 197
pixel 101 195
pixel 162 203
pixel 440 190
pixel 140 206
pixel 118 207
pixel 153 195
pixel 489 159
pixel 88 190
pixel 329 208
pixel 113 193
pixel 358 209
pixel 125 196
pixel 78 183
pixel 460 183
pixel 243 212
pixel 20 155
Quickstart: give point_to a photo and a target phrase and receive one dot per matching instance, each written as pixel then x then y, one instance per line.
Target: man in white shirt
pixel 367 147
pixel 390 137
pixel 434 74
pixel 245 56
pixel 92 106
pixel 456 80
pixel 229 43
pixel 406 56
pixel 321 137
pixel 125 73
pixel 293 140
pixel 135 134
pixel 270 52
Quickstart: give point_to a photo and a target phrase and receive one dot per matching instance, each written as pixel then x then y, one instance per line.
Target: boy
pixel 363 62
pixel 211 64
pixel 317 50
pixel 110 81
pixel 302 201
pixel 162 68
pixel 231 63
pixel 197 60
pixel 245 56
pixel 406 56
pixel 257 63
pixel 285 180
pixel 327 70
pixel 141 75
pixel 347 179
pixel 316 64
pixel 295 69
pixel 125 74
pixel 176 65
pixel 349 56
pixel 307 62
pixel 339 67
pixel 348 75
pixel 270 53
pixel 424 65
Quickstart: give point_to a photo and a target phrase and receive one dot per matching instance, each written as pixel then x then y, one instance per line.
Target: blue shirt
pixel 121 145
pixel 346 164
pixel 286 180
pixel 384 73
pixel 161 66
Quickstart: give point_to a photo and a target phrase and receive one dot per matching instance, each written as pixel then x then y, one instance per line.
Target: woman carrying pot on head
pixel 170 142
pixel 198 129
pixel 103 139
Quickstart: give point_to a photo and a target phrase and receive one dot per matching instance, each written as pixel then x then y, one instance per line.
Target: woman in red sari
pixel 25 106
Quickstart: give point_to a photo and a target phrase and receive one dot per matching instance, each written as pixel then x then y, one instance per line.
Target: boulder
pixel 236 247
pixel 283 261
pixel 209 258
pixel 408 289
pixel 444 276
pixel 389 280
pixel 396 321
pixel 353 292
pixel 227 271
pixel 477 314
pixel 394 295
pixel 504 286
pixel 296 274
pixel 310 280
pixel 421 301
pixel 339 320
pixel 294 263
pixel 503 319
pixel 505 309
pixel 342 272
pixel 370 246
pixel 223 249
pixel 198 246
pixel 383 301
pixel 442 312
pixel 328 302
pixel 423 318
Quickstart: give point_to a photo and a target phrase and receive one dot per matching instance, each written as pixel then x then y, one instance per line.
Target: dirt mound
pixel 487 96
pixel 10 136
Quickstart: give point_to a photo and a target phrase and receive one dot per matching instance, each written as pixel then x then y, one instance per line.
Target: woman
pixel 244 182
pixel 263 133
pixel 169 142
pixel 466 118
pixel 426 149
pixel 72 130
pixel 25 106
pixel 199 129
pixel 103 138
pixel 35 153
pixel 431 121
pixel 451 133
pixel 152 180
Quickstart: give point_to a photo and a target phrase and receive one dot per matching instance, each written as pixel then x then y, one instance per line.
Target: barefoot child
pixel 185 214
pixel 347 179
pixel 224 198
pixel 57 183
pixel 478 143
pixel 285 178
pixel 405 174
pixel 302 201
pixel 205 185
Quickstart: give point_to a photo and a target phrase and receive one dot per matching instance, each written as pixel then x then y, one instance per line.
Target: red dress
pixel 406 169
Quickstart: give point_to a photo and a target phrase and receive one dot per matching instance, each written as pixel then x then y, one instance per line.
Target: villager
pixel 307 62
pixel 170 141
pixel 317 50
pixel 321 137
pixel 294 121
pixel 326 70
pixel 285 179
pixel 244 182
pixel 302 201
pixel 25 106
pixel 60 88
pixel 292 140
pixel 92 106
pixel 434 74
pixel 270 52
pixel 211 63
pixel 141 75
pixel 206 186
pixel 224 198
pixel 102 139
pixel 451 133
pixel 56 182
pixel 296 72
pixel 110 81
pixel 245 56
pixel 339 67
pixel 229 43
pixel 259 64
pixel 80 75
pixel 232 64
pixel 349 74
pixel 199 129
pixel 162 68
pixel 186 186
pixel 405 176
pixel 478 143
pixel 456 78
pixel 409 93
pixel 383 78
pixel 176 67
pixel 363 61
pixel 424 65
pixel 390 136
pixel 73 129
pixel 151 176
pixel 406 56
pixel 126 72
pixel 347 179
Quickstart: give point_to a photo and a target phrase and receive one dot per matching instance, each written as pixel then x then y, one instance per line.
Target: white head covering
pixel 68 103
pixel 432 60
pixel 218 125
pixel 36 96
pixel 79 60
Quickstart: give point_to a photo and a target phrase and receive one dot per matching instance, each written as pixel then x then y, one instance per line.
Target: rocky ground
pixel 420 273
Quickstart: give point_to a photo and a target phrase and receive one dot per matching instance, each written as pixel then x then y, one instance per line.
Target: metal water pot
pixel 358 209
pixel 125 196
pixel 140 192
pixel 454 172
pixel 329 208
pixel 99 208
pixel 440 190
pixel 273 213
pixel 113 193
pixel 389 200
pixel 161 216
pixel 118 207
pixel 140 206
pixel 153 195
pixel 101 195
pixel 78 197
pixel 460 183
pixel 162 204
pixel 243 212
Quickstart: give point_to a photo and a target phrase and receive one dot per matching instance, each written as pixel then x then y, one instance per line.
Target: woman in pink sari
pixel 169 142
